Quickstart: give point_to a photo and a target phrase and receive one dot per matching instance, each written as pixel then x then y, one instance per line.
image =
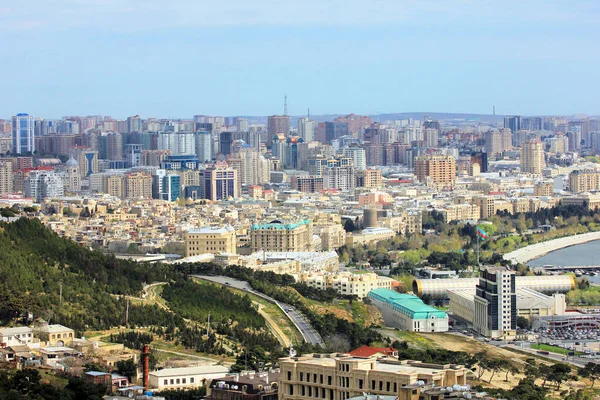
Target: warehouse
pixel 548 284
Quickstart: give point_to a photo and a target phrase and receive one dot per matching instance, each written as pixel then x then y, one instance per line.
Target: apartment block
pixel 210 239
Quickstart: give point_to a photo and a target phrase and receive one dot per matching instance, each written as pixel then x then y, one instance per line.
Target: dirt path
pixel 273 327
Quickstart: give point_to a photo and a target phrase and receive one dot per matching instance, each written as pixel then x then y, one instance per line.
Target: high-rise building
pixel 307 184
pixel 277 124
pixel 358 155
pixel 134 124
pixel 495 313
pixel 531 123
pixel 306 129
pixel 113 146
pixel 6 178
pixel 532 157
pixel 498 141
pixel 137 185
pixel 43 184
pixel 282 236
pixel 339 177
pixel 180 143
pixel 431 136
pixel 219 182
pixel 241 125
pixel 513 123
pixel 204 146
pixel 23 134
pixel 584 181
pixel 171 187
pixel 133 154
pixel 112 184
pixel 574 140
pixel 369 178
pixel 436 171
pixel 225 141
pixel 153 158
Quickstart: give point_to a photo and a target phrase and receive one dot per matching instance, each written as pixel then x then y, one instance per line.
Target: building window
pixel 166 382
pixel 172 382
pixel 289 375
pixel 183 380
pixel 191 380
pixel 178 381
pixel 360 383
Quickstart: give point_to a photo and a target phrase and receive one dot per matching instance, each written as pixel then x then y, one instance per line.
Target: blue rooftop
pixel 406 303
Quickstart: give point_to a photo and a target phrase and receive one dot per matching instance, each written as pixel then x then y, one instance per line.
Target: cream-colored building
pixel 113 185
pixel 138 185
pixel 368 178
pixel 185 378
pixel 341 376
pixel 584 181
pixel 55 335
pixel 6 178
pixel 369 235
pixel 280 236
pixel 346 283
pixel 543 188
pixel 460 212
pixel 210 239
pixel 436 171
pixel 333 235
pixel 532 157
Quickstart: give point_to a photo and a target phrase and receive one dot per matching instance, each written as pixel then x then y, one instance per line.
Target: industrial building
pixel 438 288
pixel 408 312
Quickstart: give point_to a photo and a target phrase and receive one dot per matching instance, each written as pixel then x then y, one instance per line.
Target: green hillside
pixel 33 262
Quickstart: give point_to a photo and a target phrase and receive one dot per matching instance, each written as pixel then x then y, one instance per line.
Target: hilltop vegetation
pixel 33 263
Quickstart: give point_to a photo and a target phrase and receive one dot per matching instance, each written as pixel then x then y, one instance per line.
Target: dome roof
pixel 72 162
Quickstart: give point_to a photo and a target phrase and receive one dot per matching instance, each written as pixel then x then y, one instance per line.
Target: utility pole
pixel 60 283
pixel 127 313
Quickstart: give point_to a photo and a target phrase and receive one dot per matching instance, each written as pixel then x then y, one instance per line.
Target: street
pixel 309 334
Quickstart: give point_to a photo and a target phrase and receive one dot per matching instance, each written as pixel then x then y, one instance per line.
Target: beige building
pixel 368 178
pixel 220 182
pixel 341 376
pixel 532 157
pixel 460 212
pixel 436 171
pixel 281 236
pixel 498 141
pixel 55 335
pixel 153 158
pixel 185 378
pixel 113 185
pixel 346 283
pixel 584 181
pixel 307 184
pixel 6 178
pixel 369 235
pixel 138 185
pixel 210 239
pixel 545 188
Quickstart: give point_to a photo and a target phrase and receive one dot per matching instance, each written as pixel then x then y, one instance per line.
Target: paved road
pixel 308 332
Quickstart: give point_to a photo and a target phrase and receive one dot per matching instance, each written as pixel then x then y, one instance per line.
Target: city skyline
pixel 182 58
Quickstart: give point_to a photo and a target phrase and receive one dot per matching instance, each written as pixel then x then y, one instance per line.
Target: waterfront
pixel 578 255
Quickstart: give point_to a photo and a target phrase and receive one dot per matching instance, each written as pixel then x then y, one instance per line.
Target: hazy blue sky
pixel 177 58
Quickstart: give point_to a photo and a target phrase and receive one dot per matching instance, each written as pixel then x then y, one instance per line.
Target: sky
pixel 179 58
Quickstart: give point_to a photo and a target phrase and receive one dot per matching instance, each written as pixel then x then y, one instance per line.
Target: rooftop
pixel 407 303
pixel 211 369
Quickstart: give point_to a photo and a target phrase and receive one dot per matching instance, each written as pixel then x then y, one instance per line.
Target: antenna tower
pixel 285 112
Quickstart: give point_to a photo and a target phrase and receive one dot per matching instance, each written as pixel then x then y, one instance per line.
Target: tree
pixel 510 368
pixel 483 363
pixel 349 226
pixel 558 373
pixel 523 323
pixel 127 368
pixel 590 371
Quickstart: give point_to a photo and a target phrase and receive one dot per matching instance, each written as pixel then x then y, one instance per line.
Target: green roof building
pixel 408 312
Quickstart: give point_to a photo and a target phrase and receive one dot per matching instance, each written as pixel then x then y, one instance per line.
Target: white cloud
pixel 128 15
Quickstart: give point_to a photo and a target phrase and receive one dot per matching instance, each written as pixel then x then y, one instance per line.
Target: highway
pixel 309 334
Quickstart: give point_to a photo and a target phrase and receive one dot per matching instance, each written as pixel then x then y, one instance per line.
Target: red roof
pixel 367 351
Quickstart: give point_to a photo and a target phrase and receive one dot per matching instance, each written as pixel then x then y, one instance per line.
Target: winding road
pixel 309 333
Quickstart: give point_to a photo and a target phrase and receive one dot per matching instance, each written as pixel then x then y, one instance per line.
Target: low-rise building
pixel 188 377
pixel 210 239
pixel 245 386
pixel 341 376
pixel 369 235
pixel 346 283
pixel 55 335
pixel 20 336
pixel 408 312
